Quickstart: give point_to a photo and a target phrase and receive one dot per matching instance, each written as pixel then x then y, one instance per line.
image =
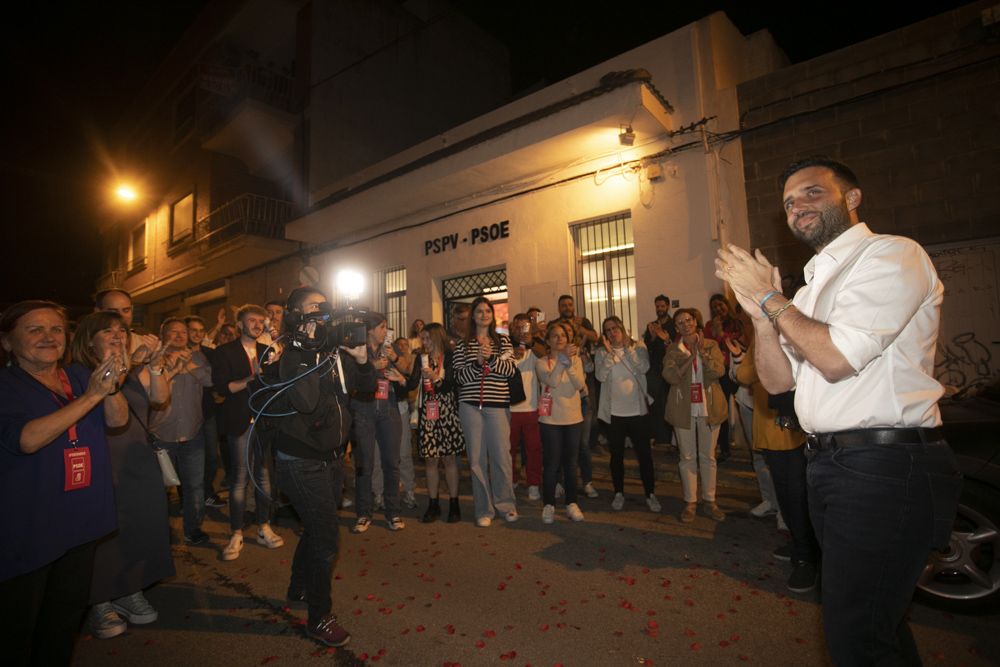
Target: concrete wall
pixel 915 112
pixel 384 79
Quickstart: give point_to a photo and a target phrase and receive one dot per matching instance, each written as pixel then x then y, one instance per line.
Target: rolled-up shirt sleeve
pixel 872 307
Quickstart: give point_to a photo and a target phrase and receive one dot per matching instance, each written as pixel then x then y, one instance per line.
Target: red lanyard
pixel 482 382
pixel 68 390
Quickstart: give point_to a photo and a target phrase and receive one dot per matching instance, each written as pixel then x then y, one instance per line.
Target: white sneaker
pixel 781 523
pixel 589 489
pixel 135 609
pixel 104 621
pixel 361 525
pixel 346 502
pixel 533 493
pixel 484 521
pixel 653 503
pixel 511 517
pixel 548 514
pixel 560 492
pixel 269 538
pixel 409 500
pixel 573 512
pixel 233 549
pixel 618 503
pixel 764 509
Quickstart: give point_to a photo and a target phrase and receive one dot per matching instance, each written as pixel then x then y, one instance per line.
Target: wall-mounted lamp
pixel 626 137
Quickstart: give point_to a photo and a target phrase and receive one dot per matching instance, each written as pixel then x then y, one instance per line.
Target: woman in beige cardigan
pixel 696 406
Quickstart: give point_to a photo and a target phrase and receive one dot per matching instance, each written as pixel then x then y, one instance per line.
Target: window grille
pixel 390 297
pixel 605 271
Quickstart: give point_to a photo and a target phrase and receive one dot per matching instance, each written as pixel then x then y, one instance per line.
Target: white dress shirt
pixel 881 297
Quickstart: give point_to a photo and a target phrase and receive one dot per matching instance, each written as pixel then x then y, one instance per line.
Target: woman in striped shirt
pixel 484 360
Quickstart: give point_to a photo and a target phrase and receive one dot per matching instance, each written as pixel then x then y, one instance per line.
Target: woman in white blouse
pixel 560 418
pixel 620 365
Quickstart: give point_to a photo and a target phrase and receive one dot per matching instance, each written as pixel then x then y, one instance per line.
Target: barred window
pixel 605 270
pixel 390 295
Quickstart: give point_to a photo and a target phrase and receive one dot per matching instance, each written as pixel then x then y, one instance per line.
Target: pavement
pixel 621 588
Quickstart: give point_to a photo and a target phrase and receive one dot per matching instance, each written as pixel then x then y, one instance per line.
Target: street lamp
pixel 126 193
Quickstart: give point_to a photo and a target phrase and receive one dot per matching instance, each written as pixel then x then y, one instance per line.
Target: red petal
pixel 420 628
pixel 696 646
pixel 480 643
pixel 489 634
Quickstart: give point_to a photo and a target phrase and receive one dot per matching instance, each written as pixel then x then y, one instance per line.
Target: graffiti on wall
pixel 968 349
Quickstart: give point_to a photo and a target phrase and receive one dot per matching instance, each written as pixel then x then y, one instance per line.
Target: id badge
pixel 432 410
pixel 696 394
pixel 545 405
pixel 76 463
pixel 382 389
pixel 428 387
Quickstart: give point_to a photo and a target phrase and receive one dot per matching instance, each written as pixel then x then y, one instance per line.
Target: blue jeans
pixel 189 459
pixel 487 442
pixel 559 451
pixel 878 510
pixel 314 488
pixel 377 427
pixel 238 446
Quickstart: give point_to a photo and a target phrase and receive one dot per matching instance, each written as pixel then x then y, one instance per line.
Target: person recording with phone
pixel 377 426
pixel 302 409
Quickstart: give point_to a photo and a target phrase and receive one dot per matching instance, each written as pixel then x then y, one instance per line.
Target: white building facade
pixel 614 186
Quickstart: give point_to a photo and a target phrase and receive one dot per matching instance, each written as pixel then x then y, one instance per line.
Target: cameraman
pixel 309 449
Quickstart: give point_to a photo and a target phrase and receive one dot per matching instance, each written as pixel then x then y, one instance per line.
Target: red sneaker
pixel 329 632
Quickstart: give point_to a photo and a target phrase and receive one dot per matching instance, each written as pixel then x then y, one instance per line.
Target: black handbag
pixel 515 386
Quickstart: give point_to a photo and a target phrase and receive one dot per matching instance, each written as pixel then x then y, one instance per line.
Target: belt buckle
pixel 812 442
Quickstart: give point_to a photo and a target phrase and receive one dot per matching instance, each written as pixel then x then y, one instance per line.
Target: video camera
pixel 343 327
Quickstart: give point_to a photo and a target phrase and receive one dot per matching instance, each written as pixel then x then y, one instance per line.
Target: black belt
pixel 873 436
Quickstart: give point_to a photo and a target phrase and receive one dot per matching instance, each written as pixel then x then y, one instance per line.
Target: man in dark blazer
pixel 233 367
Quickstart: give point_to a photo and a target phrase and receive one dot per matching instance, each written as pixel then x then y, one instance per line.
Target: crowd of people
pixel 530 395
pixel 90 418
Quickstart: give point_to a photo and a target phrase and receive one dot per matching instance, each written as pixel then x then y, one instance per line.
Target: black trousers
pixel 636 428
pixel 788 472
pixel 42 610
pixel 314 488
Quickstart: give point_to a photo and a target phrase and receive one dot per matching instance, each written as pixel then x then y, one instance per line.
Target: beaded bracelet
pixel 766 297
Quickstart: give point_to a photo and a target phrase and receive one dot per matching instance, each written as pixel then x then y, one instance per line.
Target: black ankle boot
pixel 454 513
pixel 433 511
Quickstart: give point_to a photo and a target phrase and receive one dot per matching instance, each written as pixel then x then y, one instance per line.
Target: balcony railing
pixel 247 214
pixel 231 85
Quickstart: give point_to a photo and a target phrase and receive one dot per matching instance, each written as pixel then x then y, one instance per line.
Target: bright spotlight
pixel 350 283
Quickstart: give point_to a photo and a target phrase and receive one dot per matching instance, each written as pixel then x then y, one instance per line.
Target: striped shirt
pixel 484 385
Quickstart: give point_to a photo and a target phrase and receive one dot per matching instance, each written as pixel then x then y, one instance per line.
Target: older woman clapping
pixel 696 407
pixel 55 481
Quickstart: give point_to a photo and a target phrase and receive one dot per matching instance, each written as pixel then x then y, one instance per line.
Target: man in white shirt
pixel 857 344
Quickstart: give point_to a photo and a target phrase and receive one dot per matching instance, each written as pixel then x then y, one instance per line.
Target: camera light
pixel 350 283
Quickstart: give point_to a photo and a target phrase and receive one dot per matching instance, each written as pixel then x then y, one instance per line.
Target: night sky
pixel 70 69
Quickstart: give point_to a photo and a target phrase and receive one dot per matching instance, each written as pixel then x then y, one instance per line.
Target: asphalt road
pixel 621 588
